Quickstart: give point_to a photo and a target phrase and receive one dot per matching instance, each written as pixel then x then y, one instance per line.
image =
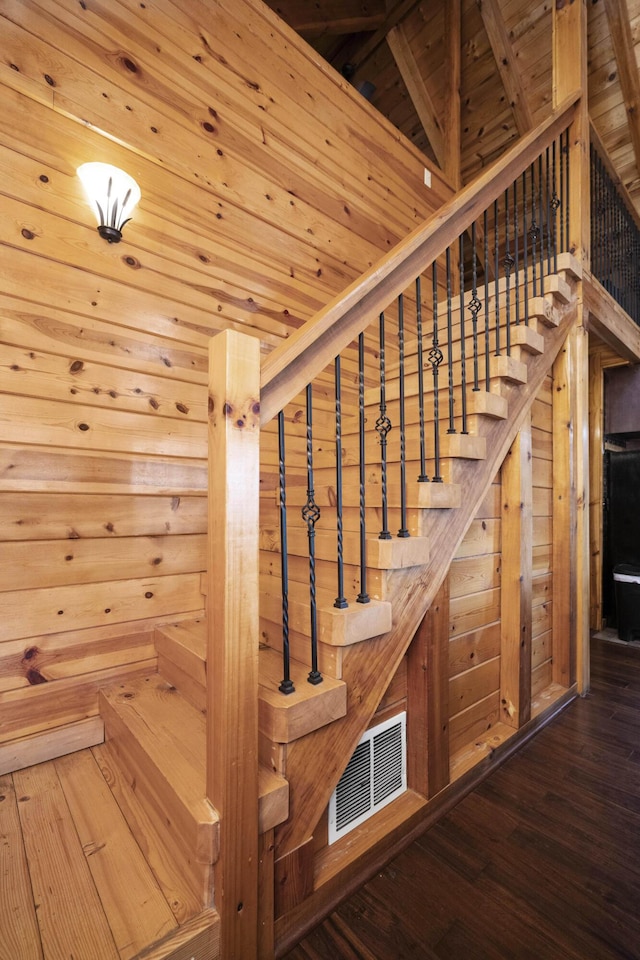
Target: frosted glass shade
pixel 113 195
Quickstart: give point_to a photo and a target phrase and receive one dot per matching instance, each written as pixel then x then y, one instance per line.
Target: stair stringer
pixel 368 667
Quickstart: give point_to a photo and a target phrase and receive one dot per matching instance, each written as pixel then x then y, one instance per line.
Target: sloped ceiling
pixel 400 48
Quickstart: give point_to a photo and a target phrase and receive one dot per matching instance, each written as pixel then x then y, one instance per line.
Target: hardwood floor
pixel 542 861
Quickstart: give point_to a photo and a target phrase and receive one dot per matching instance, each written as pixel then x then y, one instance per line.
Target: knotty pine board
pixel 60 875
pixel 19 936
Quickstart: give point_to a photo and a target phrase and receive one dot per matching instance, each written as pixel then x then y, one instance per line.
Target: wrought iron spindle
pixel 435 359
pixel 525 248
pixel 555 204
pixel 341 601
pixel 311 515
pixel 567 194
pixel 516 251
pixel 463 343
pixel 547 193
pixel 541 224
pixel 534 233
pixel 487 321
pixel 496 267
pixel 383 426
pixel 403 531
pixel 563 194
pixel 452 425
pixel 508 267
pixel 286 686
pixel 363 596
pixel 423 478
pixel 475 306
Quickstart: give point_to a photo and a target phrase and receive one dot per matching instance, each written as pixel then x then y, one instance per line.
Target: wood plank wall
pixel 267 185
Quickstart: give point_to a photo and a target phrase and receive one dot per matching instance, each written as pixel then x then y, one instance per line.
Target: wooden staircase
pixel 154 754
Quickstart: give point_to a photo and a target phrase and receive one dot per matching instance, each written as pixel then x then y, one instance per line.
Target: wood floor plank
pixel 540 862
pixel 19 935
pixel 137 912
pixel 70 915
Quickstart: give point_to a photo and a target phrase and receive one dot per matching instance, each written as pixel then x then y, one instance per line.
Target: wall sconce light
pixel 113 195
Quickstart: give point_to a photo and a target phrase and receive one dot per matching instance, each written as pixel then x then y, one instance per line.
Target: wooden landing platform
pixel 73 880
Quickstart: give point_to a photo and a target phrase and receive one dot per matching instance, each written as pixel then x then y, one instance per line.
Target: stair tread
pixel 172 734
pixel 281 717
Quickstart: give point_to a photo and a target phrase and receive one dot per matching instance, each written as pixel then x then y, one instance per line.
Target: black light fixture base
pixel 112 234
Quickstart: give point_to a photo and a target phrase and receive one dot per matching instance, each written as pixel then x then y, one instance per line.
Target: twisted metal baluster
pixel 508 266
pixel 555 204
pixel 311 515
pixel 341 601
pixel 403 531
pixel 463 342
pixel 496 287
pixel 286 685
pixel 435 359
pixel 423 478
pixel 541 221
pixel 534 233
pixel 475 306
pixel 487 319
pixel 383 426
pixel 525 246
pixel 363 596
pixel 452 426
pixel 516 248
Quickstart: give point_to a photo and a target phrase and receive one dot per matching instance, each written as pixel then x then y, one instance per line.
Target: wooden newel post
pixel 569 74
pixel 233 634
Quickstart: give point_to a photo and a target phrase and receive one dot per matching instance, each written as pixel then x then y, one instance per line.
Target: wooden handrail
pixel 295 362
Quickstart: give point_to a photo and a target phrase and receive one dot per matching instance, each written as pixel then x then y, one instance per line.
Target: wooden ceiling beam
pixel 420 96
pixel 622 40
pixel 453 67
pixel 331 16
pixel 506 62
pixel 396 15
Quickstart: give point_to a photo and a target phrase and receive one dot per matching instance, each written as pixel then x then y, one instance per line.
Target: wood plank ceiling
pixel 403 55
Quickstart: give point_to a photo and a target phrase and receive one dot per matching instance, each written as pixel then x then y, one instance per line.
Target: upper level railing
pixel 615 236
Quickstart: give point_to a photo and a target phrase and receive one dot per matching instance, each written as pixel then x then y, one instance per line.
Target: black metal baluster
pixel 562 192
pixel 567 207
pixel 463 341
pixel 435 359
pixel 525 248
pixel 474 306
pixel 383 426
pixel 286 685
pixel 452 425
pixel 341 601
pixel 403 531
pixel 547 193
pixel 508 266
pixel 541 224
pixel 516 253
pixel 533 234
pixel 487 319
pixel 496 258
pixel 363 596
pixel 555 204
pixel 311 515
pixel 423 478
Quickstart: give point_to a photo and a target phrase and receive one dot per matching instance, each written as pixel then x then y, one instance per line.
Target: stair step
pixel 504 368
pixel 419 495
pixel 340 628
pixel 289 716
pixel 163 738
pixel 527 339
pixel 160 738
pixel 543 309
